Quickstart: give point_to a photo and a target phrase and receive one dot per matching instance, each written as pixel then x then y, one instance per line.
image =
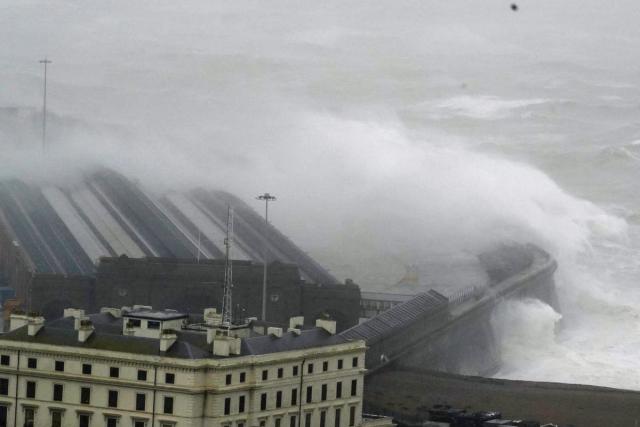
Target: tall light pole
pixel 267 198
pixel 44 61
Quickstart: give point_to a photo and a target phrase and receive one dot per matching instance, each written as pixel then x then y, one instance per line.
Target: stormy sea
pixel 391 132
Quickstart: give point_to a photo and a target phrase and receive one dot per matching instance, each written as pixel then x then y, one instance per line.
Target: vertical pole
pixel 264 260
pixel 44 61
pixel 267 198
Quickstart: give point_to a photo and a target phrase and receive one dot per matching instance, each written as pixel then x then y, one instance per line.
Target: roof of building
pixel 65 229
pixel 146 313
pixel 189 344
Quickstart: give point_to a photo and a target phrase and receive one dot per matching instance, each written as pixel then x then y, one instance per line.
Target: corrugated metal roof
pixel 398 317
pixel 65 229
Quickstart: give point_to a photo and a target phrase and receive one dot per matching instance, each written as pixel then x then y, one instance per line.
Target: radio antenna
pixel 227 304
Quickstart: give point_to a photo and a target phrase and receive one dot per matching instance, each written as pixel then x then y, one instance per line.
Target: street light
pixel 267 198
pixel 45 62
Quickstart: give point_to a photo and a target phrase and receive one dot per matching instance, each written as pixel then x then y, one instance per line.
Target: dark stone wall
pixel 50 294
pixel 189 286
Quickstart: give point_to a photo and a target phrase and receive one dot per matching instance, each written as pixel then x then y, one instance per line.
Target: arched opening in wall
pixel 54 309
pixel 333 314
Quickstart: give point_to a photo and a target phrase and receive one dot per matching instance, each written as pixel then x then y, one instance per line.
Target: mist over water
pixel 391 133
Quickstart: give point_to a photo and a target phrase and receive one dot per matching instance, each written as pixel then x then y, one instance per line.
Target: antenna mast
pixel 227 305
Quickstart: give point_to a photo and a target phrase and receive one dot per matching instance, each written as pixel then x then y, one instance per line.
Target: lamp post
pixel 44 61
pixel 267 198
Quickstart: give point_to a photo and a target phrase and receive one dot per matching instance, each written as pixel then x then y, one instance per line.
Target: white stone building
pixel 146 368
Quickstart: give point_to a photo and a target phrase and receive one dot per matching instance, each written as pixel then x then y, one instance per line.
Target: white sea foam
pixel 483 107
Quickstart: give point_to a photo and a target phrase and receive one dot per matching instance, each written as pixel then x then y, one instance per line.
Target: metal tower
pixel 227 304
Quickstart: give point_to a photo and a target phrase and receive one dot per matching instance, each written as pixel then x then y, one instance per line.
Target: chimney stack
pixel 276 332
pixel 35 323
pixel 167 338
pixel 225 346
pixel 85 330
pixel 212 317
pixel 17 319
pixel 327 325
pixel 296 322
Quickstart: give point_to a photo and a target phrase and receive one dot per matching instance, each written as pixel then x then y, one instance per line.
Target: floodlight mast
pixel 227 304
pixel 45 62
pixel 267 198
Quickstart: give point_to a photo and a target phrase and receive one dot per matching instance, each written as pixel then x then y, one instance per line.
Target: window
pixel 114 372
pixel 339 390
pixel 57 392
pixel 278 422
pixel 292 421
pixel 325 366
pixel 243 376
pixel 141 401
pixel 295 371
pixel 323 418
pixel 83 420
pixel 323 393
pixel 227 406
pixel 169 378
pixel 263 401
pixel 310 368
pixel 352 416
pixel 241 404
pixel 32 363
pixel 309 394
pixel 152 324
pixel 279 399
pixel 265 375
pixel 85 395
pixel 112 422
pixel 4 386
pixel 140 423
pixel 113 399
pixel 168 405
pixel 337 420
pixel 142 375
pixel 307 419
pixel 354 362
pixel 294 397
pixel 134 323
pixel 59 366
pixel 280 372
pixel 228 379
pixel 56 419
pixel 339 363
pixel 5 360
pixel 31 389
pixel 263 423
pixel 354 387
pixel 86 368
pixel 239 424
pixel 29 415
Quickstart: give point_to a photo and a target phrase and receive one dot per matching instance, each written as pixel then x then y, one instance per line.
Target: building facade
pixel 123 369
